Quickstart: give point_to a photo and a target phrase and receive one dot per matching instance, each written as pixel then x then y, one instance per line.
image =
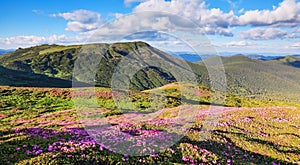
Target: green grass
pixel 276 79
pixel 57 49
pixel 43 116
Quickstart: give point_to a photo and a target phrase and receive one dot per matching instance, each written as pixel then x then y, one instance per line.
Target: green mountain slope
pixel 288 60
pixel 51 60
pixel 276 79
pixel 58 62
pixel 263 79
pixel 18 78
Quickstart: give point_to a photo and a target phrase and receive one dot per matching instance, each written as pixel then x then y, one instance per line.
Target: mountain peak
pixel 130 44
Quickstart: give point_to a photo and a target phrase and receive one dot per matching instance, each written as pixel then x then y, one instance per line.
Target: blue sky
pixel 240 26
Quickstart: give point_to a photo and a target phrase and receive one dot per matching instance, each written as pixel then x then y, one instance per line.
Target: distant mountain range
pixel 193 57
pixel 4 51
pixel 52 65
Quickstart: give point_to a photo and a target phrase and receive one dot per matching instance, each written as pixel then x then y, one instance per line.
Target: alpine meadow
pixel 150 82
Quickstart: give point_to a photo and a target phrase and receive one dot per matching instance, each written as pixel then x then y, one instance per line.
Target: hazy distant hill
pixel 4 51
pixel 188 56
pixel 193 57
pixel 272 79
pixel 263 57
pixel 288 60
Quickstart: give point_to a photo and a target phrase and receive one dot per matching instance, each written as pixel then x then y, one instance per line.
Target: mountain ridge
pixel 274 79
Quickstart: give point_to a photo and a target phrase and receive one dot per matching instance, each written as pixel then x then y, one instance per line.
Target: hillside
pixel 288 60
pixel 18 78
pixel 41 126
pixel 51 60
pixel 58 62
pixel 4 51
pixel 277 79
pixel 261 79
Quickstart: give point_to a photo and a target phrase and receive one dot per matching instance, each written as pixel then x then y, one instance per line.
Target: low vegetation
pixel 41 126
pixel 53 64
pixel 44 121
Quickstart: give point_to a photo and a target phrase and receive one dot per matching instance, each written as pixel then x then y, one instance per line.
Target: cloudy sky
pixel 240 26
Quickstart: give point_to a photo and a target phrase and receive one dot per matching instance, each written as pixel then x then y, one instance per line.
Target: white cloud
pixel 38 11
pixel 212 21
pixel 207 21
pixel 25 41
pixel 151 21
pixel 266 34
pixel 81 20
pixel 21 40
pixel 216 30
pixel 151 15
pixel 241 11
pixel 83 16
pixel 295 45
pixel 286 14
pixel 297 30
pixel 192 9
pixel 232 4
pixel 239 43
pixel 128 2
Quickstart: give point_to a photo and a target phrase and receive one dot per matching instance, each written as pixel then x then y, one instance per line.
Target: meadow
pixel 42 126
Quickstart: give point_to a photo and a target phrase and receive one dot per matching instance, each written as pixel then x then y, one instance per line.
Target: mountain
pixel 58 62
pixel 288 60
pixel 4 51
pixel 193 57
pixel 264 79
pixel 189 56
pixel 262 57
pixel 18 78
pixel 277 79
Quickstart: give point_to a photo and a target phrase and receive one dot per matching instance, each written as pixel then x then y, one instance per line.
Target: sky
pixel 241 26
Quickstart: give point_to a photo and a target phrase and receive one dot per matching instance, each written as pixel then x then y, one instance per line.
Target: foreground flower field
pixel 41 126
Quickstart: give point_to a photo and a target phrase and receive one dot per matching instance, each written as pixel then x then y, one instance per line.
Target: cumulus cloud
pixel 149 36
pixel 286 14
pixel 295 45
pixel 212 21
pixel 239 43
pixel 81 20
pixel 151 21
pixel 25 41
pixel 192 9
pixel 21 40
pixel 188 15
pixel 266 34
pixel 161 15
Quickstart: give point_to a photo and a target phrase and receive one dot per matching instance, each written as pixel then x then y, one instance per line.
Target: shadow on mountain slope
pixel 26 79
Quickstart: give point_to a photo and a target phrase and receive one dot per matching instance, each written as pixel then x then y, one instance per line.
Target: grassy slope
pixel 18 78
pixel 261 79
pixel 35 119
pixel 278 79
pixel 58 61
pixel 288 60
